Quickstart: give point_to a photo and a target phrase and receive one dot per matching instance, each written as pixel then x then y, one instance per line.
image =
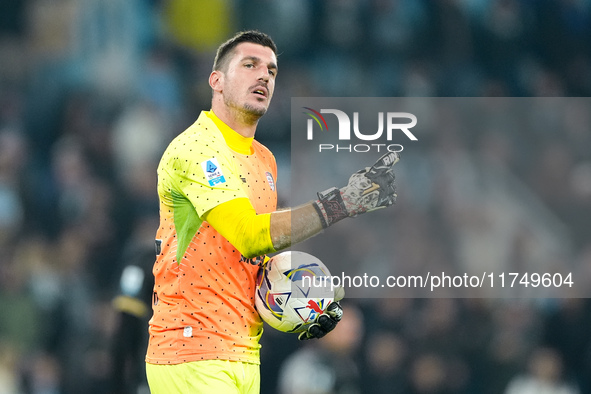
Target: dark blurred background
pixel 92 91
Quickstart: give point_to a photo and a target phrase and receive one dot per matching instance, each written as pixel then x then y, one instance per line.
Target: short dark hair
pixel 254 36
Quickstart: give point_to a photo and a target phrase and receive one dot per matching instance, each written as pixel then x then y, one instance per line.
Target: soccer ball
pixel 293 289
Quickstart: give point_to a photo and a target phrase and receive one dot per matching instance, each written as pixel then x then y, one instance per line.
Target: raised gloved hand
pixel 367 190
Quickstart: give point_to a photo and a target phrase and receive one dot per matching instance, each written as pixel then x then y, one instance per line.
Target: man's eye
pixel 272 72
pixel 249 65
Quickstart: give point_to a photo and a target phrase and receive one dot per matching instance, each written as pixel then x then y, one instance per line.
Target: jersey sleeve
pixel 238 222
pixel 204 174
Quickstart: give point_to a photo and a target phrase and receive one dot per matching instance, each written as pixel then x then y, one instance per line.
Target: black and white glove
pixel 324 323
pixel 327 321
pixel 367 190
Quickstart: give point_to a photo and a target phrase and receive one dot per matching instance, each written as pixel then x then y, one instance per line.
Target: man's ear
pixel 216 80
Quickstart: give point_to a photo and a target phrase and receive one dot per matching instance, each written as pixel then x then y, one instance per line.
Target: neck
pixel 241 122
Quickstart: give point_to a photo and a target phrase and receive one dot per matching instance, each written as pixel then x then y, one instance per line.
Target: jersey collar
pixel 235 141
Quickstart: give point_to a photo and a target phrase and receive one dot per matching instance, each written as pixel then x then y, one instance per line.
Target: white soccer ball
pixel 293 289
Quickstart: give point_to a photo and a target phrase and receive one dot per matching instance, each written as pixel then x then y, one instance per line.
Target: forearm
pixel 294 225
pixel 368 189
pixel 255 235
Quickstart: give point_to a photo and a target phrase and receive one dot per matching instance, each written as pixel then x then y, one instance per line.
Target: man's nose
pixel 265 75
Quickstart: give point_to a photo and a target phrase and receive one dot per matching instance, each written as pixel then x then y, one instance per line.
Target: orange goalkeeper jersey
pixel 204 294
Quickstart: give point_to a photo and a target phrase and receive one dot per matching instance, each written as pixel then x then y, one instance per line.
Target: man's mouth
pixel 260 91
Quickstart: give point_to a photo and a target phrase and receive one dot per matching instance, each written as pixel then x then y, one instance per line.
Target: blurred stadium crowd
pixel 91 92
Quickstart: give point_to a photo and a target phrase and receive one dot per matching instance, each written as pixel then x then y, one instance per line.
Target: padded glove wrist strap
pixel 330 207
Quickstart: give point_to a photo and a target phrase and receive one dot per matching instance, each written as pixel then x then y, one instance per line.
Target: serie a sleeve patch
pixel 213 172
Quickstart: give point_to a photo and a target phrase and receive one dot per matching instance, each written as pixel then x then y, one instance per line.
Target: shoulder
pixel 201 139
pixel 262 151
pixel 203 132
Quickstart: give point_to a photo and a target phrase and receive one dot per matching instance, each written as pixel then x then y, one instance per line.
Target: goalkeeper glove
pixel 367 190
pixel 325 323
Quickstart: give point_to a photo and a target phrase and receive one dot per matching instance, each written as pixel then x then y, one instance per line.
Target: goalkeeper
pixel 218 219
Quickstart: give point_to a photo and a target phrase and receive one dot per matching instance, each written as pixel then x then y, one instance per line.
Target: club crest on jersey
pixel 270 180
pixel 213 172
